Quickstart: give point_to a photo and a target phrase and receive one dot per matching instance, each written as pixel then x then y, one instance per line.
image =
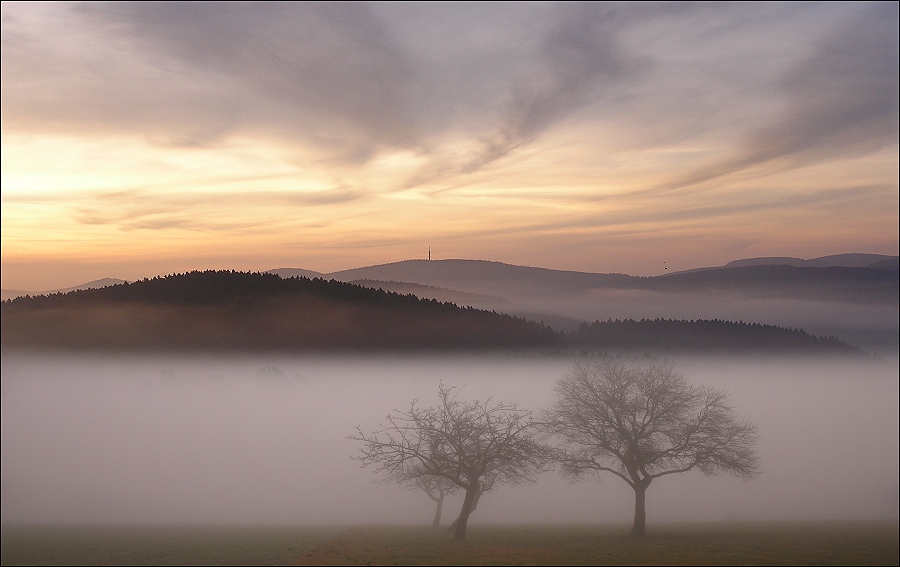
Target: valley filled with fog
pixel 263 440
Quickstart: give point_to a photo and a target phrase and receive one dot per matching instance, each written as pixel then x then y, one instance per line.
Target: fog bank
pixel 198 439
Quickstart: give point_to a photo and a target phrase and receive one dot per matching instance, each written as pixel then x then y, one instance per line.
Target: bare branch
pixel 474 446
pixel 641 423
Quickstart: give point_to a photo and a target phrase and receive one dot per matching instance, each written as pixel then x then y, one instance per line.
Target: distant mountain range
pixel 104 282
pixel 759 279
pixel 837 260
pixel 463 272
pixel 240 311
pixel 851 296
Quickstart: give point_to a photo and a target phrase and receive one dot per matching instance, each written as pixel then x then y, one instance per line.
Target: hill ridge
pixel 216 310
pixel 253 310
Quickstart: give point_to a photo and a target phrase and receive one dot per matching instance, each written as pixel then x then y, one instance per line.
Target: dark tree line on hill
pixel 700 335
pixel 238 310
pixel 227 310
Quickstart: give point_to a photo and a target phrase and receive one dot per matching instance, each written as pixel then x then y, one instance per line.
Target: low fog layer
pixel 814 316
pixel 264 440
pixel 858 306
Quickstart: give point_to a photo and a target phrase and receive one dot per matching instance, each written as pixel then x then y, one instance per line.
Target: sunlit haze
pixel 150 138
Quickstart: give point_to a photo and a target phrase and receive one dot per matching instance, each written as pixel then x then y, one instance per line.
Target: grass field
pixel 833 543
pixel 170 545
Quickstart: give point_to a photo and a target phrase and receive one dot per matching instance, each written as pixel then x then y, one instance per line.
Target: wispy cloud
pixel 841 101
pixel 137 209
pixel 191 74
pixel 348 81
pixel 579 52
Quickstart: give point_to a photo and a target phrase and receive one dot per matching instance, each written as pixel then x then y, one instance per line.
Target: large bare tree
pixel 474 445
pixel 643 422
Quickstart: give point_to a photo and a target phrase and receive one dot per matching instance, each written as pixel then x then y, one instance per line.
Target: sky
pixel 141 139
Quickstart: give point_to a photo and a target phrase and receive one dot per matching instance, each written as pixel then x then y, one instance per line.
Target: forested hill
pixel 222 310
pixel 701 335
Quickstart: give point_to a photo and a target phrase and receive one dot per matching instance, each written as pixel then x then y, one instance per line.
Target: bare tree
pixel 486 484
pixel 474 445
pixel 641 423
pixel 436 487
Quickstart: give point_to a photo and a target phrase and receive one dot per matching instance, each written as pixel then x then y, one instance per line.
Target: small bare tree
pixel 436 487
pixel 641 423
pixel 474 445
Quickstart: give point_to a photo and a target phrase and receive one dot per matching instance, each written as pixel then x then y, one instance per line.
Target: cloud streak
pixel 580 52
pixel 840 101
pixel 328 74
pixel 346 82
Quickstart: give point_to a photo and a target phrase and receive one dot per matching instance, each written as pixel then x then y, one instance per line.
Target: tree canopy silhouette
pixel 226 310
pixel 474 445
pixel 640 423
pixel 700 335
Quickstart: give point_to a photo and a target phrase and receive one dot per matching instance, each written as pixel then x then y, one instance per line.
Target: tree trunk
pixel 468 506
pixel 639 528
pixel 437 512
pixel 452 526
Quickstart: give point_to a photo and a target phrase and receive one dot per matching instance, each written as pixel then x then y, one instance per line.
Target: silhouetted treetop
pixel 241 310
pixel 700 335
pixel 214 287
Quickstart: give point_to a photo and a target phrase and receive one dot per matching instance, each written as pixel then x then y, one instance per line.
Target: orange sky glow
pixel 147 139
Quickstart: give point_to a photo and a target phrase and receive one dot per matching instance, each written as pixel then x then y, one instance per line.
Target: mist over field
pixel 262 440
pixel 814 316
